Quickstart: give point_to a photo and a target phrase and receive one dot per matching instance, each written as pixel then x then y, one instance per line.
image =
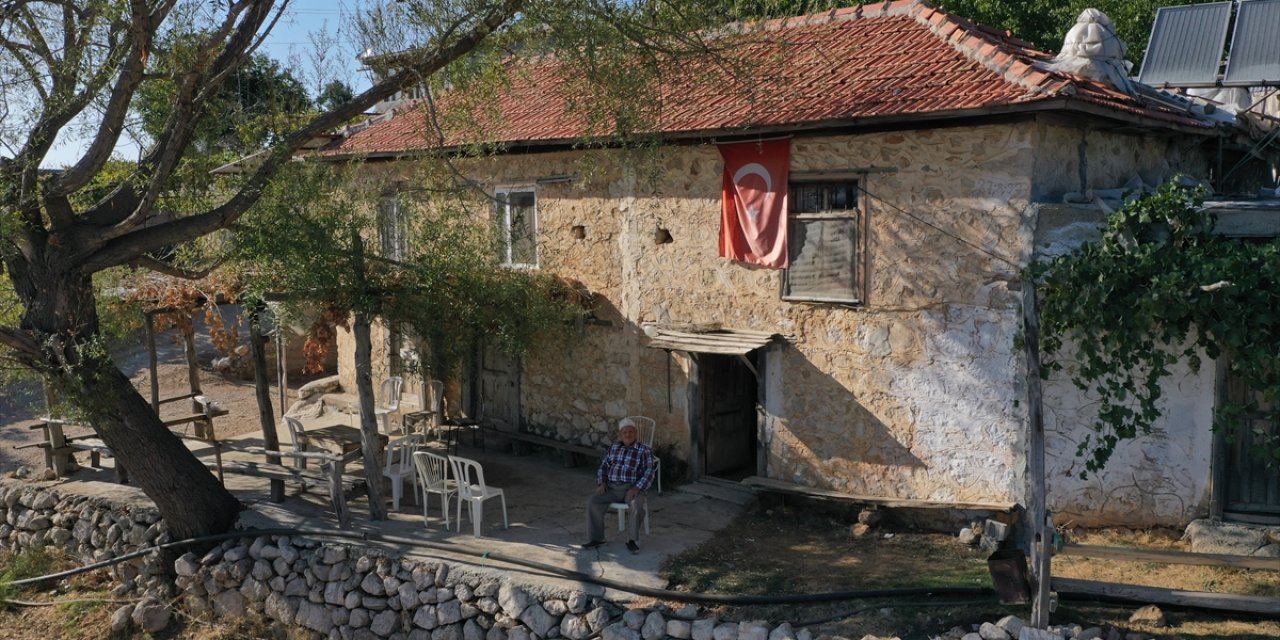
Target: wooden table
pixel 340 439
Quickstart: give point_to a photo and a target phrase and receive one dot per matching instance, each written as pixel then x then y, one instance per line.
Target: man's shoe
pixel 633 547
pixel 591 544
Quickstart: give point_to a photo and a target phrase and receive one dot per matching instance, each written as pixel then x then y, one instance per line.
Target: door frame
pixel 693 398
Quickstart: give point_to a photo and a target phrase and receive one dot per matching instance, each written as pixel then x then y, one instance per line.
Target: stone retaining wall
pixel 337 591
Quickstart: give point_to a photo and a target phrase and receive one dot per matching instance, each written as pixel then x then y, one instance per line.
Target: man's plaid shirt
pixel 628 465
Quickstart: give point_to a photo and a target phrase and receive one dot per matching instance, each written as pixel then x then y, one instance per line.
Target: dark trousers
pixel 599 503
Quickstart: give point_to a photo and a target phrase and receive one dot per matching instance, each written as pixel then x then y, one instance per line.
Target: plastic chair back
pixel 473 490
pixel 390 393
pixel 433 476
pixel 399 465
pixel 470 477
pixel 400 455
pixel 645 428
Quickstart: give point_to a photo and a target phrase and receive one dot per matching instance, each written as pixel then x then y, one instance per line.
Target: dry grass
pixel 788 551
pixel 1153 574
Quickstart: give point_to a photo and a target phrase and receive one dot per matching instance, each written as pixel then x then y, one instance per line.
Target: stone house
pixel 927 157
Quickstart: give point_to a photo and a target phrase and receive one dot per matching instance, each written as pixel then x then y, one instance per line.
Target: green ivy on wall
pixel 1160 288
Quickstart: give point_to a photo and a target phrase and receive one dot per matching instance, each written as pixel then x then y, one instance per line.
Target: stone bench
pixel 569 452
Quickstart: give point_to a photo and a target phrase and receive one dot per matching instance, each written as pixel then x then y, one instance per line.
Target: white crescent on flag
pixel 756 169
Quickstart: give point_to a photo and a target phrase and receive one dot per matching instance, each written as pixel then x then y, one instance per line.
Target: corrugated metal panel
pixel 721 341
pixel 1255 47
pixel 1186 44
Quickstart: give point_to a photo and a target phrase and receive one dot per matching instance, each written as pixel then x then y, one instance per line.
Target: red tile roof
pixel 850 66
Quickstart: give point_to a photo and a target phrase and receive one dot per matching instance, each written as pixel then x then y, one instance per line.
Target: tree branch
pixel 126 242
pixel 196 87
pixel 148 262
pixel 142 30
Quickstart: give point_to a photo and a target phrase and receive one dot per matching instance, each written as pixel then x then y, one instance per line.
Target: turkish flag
pixel 753 213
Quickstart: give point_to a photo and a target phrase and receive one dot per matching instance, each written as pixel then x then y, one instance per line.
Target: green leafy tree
pixel 255 106
pixel 1043 23
pixel 68 64
pixel 1159 288
pixel 334 93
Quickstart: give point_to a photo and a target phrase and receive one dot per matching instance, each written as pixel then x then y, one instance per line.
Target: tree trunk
pixel 60 318
pixel 364 387
pixel 368 421
pixel 187 494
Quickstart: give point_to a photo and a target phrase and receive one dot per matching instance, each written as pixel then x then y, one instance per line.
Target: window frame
pixel 856 215
pixel 503 218
pixel 393 228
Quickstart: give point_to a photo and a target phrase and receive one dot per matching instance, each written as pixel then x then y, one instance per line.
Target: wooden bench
pixel 59 447
pixel 569 452
pixel 97 448
pixel 330 475
pixel 769 485
pixel 202 419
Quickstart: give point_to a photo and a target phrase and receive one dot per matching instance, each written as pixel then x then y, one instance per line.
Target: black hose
pixel 886 605
pixel 663 594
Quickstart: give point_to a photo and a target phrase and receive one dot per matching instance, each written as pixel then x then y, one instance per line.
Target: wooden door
pixel 1252 486
pixel 728 417
pixel 499 389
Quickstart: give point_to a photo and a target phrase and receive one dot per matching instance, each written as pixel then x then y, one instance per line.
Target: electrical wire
pixel 935 227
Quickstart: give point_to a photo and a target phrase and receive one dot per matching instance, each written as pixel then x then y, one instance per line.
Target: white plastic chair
pixel 645 428
pixel 389 402
pixel 299 436
pixel 622 508
pixel 399 465
pixel 433 477
pixel 435 405
pixel 472 490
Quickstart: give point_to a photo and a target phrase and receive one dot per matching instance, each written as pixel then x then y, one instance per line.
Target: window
pixel 392 229
pixel 516 219
pixel 826 242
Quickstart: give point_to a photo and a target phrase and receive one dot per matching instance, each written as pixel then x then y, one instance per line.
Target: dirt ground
pixel 798 549
pixel 20 407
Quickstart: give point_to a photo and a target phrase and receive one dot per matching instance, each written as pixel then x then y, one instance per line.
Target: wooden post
pixel 152 361
pixel 262 389
pixel 202 429
pixel 282 368
pixel 1040 537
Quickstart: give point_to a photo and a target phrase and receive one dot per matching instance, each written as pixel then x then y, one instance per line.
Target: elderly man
pixel 625 475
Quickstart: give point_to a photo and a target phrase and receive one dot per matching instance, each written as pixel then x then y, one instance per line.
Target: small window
pixel 826 242
pixel 516 219
pixel 393 230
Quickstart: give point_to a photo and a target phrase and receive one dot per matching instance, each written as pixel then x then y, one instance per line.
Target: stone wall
pixel 915 393
pixel 1075 158
pixel 336 591
pixel 907 395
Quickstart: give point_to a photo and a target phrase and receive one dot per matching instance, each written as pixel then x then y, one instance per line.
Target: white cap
pixel 624 423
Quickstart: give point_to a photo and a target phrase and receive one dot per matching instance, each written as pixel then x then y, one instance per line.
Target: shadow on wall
pixel 834 429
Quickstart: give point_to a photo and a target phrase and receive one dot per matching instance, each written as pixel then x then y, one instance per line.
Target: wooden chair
pixel 472 490
pixel 433 477
pixel 299 437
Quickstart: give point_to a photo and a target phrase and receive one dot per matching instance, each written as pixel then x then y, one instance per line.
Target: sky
pixel 288 43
